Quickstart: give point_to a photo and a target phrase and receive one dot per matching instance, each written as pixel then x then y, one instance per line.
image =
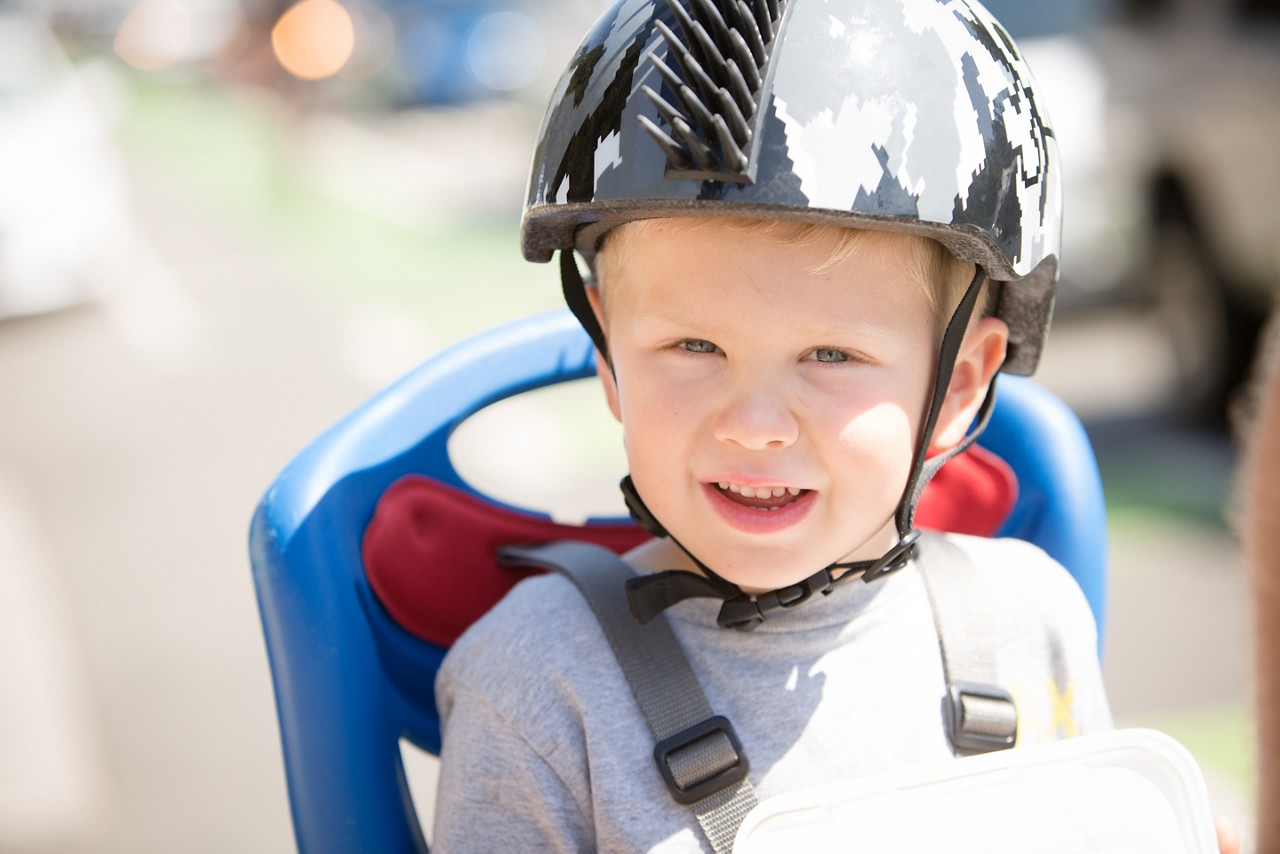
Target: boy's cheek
pixel 657 390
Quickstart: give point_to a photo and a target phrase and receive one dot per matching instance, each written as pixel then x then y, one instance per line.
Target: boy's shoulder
pixel 540 634
pixel 1022 569
pixel 541 609
pixel 1028 589
pixel 1008 560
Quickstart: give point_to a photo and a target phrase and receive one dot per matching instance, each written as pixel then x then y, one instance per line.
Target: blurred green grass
pixel 1156 471
pixel 1221 737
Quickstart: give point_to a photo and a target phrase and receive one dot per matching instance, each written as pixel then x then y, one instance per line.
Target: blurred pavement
pixel 141 432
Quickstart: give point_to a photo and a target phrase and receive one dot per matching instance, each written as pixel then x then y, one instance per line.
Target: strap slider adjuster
pixel 981 718
pixel 894 559
pixel 746 613
pixel 795 594
pixel 704 759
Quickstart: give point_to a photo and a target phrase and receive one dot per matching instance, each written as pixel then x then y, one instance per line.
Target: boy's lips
pixel 760 509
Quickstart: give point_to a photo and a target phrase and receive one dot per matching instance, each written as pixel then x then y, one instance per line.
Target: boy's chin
pixel 754 579
pixel 760 575
pixel 753 573
pixel 754 569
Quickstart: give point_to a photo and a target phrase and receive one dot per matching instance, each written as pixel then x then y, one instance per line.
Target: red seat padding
pixel 429 551
pixel 972 494
pixel 429 554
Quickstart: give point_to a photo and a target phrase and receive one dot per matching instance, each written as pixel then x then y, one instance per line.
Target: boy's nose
pixel 757 420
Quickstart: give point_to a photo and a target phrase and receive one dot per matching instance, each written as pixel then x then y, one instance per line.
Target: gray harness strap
pixel 698 753
pixel 981 716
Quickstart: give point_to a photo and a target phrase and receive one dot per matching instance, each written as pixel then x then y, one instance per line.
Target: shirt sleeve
pixel 1082 668
pixel 1074 700
pixel 496 792
pixel 1077 695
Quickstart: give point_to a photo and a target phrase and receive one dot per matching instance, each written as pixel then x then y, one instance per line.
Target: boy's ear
pixel 602 367
pixel 980 357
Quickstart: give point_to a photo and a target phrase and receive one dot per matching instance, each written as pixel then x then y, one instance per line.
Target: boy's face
pixel 770 412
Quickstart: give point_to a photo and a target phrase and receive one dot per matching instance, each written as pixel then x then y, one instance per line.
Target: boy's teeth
pixel 761 492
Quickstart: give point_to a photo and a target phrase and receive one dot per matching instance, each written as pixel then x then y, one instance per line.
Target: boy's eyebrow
pixel 665 314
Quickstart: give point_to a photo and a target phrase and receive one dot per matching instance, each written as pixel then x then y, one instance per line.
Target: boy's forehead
pixel 719 251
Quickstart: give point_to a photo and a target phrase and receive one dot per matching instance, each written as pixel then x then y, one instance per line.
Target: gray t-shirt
pixel 545 749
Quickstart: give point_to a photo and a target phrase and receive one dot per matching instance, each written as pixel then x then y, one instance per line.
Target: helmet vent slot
pixel 714 70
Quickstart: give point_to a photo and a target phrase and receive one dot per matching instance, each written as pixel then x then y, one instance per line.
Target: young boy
pixel 818 230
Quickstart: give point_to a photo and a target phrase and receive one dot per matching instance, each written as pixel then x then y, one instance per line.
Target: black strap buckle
pixel 795 594
pixel 981 718
pixel 699 748
pixel 745 612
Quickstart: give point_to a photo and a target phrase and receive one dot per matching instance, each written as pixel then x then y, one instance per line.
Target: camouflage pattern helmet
pixel 907 115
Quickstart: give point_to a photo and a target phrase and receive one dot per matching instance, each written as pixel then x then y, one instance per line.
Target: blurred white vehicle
pixel 1167 114
pixel 63 197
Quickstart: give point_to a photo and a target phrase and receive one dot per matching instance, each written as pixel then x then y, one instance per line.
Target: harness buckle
pixel 980 718
pixel 704 759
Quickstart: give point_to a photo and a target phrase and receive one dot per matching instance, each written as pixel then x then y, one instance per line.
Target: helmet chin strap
pixel 649 595
pixel 575 296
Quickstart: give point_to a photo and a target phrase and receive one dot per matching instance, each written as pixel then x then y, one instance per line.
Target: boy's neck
pixel 659 554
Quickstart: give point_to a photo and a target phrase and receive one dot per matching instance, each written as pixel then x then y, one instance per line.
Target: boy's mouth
pixel 761 498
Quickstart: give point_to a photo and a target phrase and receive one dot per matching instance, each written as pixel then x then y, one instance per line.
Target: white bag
pixel 1134 791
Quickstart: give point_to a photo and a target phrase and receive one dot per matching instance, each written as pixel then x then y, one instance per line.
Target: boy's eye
pixel 830 354
pixel 698 345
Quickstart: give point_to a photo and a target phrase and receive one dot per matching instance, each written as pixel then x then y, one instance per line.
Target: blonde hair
pixel 943 277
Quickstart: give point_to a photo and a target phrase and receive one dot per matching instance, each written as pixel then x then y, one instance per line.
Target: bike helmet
pixel 917 116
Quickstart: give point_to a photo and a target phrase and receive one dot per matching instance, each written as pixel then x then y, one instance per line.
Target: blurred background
pixel 224 223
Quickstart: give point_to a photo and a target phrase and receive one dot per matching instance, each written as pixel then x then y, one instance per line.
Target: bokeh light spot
pixel 156 34
pixel 506 51
pixel 314 39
